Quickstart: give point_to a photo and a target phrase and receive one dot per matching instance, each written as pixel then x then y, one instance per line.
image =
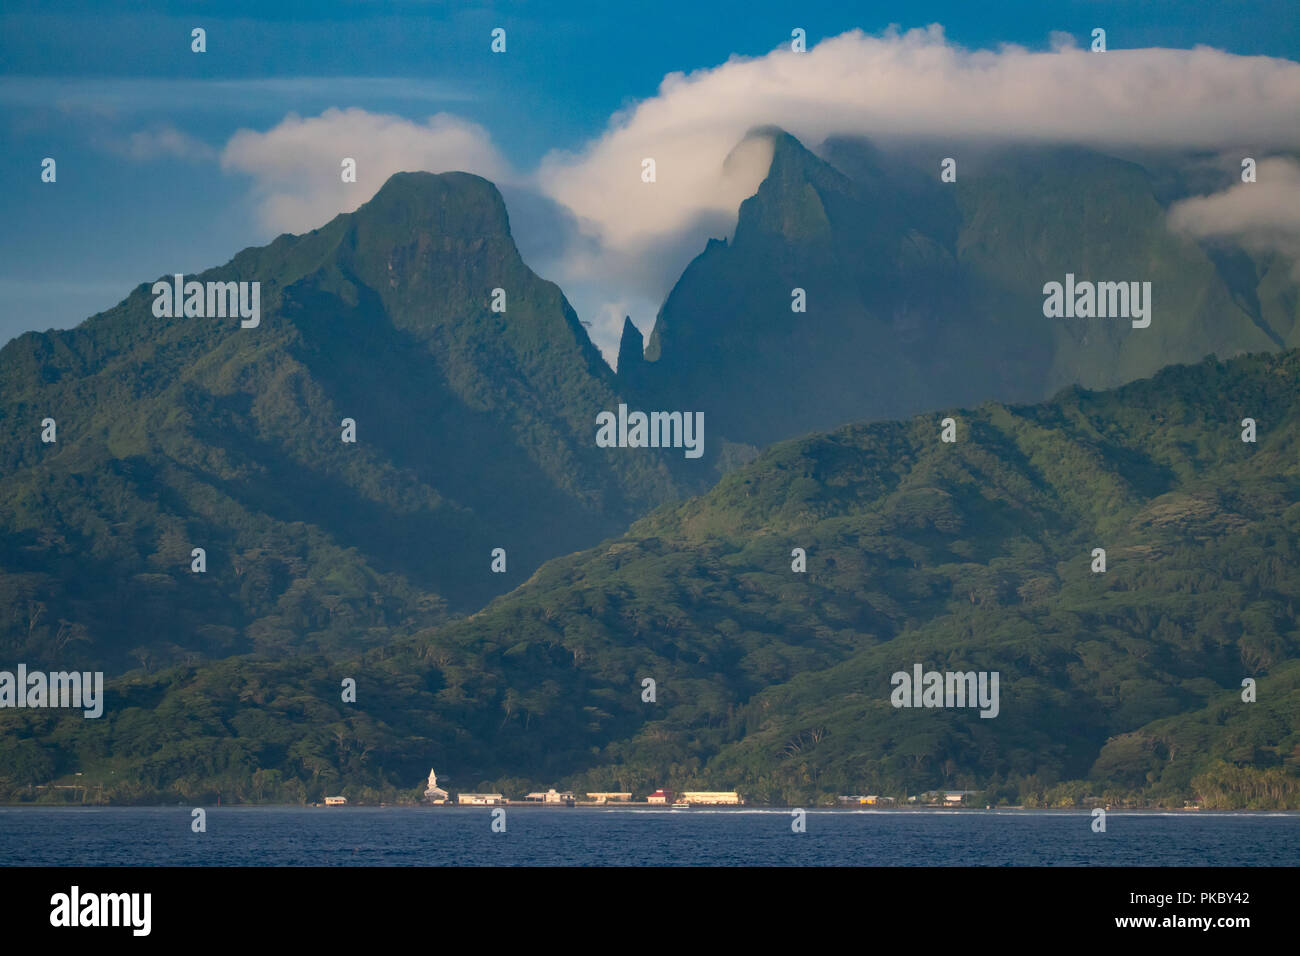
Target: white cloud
pixel 911 84
pixel 1263 215
pixel 632 239
pixel 296 164
pixel 898 85
pixel 164 142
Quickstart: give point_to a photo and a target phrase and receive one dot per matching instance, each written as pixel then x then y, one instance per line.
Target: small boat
pixel 679 805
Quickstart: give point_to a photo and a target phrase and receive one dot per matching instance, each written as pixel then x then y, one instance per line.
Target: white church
pixel 433 793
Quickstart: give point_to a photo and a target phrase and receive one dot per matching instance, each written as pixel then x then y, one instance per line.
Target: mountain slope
pixel 973 555
pixel 922 294
pixel 474 431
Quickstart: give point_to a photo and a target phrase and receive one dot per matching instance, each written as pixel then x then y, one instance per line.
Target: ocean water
pixel 409 836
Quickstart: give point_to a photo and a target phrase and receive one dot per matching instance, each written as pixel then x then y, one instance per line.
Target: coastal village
pixel 437 796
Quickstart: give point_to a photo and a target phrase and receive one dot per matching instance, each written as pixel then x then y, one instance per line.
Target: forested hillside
pixel 971 555
pixel 473 432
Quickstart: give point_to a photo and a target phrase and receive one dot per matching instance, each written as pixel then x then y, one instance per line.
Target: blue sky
pixel 138 123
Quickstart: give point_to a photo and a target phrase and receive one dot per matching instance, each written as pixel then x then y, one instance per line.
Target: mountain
pixel 631 351
pixel 972 555
pixel 474 431
pixel 474 390
pixel 922 294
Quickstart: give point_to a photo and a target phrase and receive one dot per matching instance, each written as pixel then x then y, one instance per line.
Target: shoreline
pixel 641 808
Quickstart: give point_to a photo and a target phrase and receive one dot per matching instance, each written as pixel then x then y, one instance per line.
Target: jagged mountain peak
pixel 631 348
pixel 411 325
pixel 793 168
pixel 872 287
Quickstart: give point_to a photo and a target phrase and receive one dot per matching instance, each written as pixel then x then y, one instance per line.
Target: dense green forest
pixel 474 432
pixel 921 294
pixel 475 427
pixel 1123 686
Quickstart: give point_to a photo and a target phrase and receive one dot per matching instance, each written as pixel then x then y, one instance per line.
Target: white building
pixel 551 796
pixel 434 793
pixel 716 798
pixel 479 799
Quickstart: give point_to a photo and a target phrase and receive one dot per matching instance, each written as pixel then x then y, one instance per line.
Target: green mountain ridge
pixel 474 432
pixel 922 294
pixel 974 555
pixel 475 427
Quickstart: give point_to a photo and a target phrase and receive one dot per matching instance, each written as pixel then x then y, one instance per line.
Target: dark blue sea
pixel 402 836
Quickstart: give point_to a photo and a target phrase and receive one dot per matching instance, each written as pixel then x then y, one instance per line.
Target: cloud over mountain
pixel 629 238
pixel 296 165
pixel 913 84
pixel 1263 215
